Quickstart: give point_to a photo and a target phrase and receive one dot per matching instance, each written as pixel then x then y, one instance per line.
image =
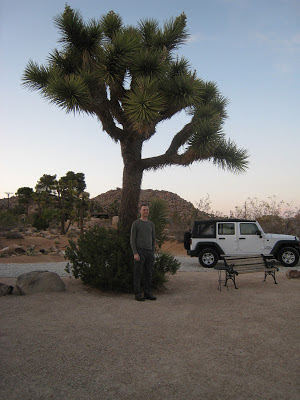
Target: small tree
pixel 69 188
pixel 44 195
pixel 25 197
pixel 204 205
pixel 65 194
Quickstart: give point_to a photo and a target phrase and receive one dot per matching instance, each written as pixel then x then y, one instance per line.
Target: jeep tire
pixel 208 258
pixel 288 256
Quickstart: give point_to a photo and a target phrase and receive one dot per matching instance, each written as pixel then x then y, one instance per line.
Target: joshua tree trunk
pixel 132 180
pixel 62 223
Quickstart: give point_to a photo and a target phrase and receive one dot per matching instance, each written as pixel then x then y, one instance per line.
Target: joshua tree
pixel 130 78
pixel 65 194
pixel 25 197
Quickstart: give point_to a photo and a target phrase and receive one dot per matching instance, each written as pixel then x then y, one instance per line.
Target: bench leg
pixel 231 276
pixel 220 281
pixel 272 273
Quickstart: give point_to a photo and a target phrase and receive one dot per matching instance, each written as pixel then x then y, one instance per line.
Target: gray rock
pixel 13 248
pixel 5 289
pixel 39 281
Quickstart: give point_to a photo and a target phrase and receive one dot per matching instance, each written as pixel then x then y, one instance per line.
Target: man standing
pixel 142 240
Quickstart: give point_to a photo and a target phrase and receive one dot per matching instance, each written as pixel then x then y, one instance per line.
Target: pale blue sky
pixel 250 48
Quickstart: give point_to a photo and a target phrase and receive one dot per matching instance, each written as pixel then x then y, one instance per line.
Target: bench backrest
pixel 247 264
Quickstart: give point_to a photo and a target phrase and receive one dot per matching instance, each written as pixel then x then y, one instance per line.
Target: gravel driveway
pixel 14 270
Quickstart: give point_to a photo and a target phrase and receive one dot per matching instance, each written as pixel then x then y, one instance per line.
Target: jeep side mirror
pixel 258 232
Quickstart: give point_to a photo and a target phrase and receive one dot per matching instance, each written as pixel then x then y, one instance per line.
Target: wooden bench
pixel 236 265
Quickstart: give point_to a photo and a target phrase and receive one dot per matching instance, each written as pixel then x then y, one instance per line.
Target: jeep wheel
pixel 208 258
pixel 288 256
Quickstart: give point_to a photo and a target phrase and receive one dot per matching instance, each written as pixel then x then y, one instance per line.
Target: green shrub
pixel 9 221
pixel 42 221
pixel 14 235
pixel 103 258
pixel 165 264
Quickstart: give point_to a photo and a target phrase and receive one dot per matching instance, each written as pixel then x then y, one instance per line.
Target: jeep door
pixel 250 240
pixel 227 238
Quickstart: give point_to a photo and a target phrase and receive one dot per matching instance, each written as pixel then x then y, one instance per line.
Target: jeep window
pixel 248 229
pixel 226 229
pixel 205 230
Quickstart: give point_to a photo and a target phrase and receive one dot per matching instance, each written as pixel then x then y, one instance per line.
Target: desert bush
pixel 48 217
pixel 165 264
pixel 103 258
pixel 40 222
pixel 72 234
pixel 14 235
pixel 8 220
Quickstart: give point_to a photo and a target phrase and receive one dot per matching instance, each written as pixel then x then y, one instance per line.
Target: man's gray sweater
pixel 142 235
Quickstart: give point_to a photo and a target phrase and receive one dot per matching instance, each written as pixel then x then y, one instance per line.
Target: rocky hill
pixel 11 202
pixel 177 207
pixel 180 213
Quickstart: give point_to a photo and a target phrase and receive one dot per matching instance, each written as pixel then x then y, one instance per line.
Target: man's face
pixel 144 211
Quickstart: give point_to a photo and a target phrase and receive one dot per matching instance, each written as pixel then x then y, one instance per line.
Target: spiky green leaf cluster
pixel 143 103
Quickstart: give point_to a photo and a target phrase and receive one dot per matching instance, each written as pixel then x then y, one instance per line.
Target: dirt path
pixel 194 342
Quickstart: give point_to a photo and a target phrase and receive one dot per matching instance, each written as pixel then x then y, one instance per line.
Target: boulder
pixel 13 248
pixel 5 250
pixel 39 281
pixel 5 289
pixel 292 274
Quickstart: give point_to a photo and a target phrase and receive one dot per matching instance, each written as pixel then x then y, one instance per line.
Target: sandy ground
pixel 194 342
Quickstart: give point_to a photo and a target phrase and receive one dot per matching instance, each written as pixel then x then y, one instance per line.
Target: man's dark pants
pixel 143 267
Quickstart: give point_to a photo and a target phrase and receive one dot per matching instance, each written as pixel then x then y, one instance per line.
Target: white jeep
pixel 209 240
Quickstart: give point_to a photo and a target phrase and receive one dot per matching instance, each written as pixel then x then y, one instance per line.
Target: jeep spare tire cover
pixel 186 240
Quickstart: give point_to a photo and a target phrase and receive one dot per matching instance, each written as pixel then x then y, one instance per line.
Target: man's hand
pixel 136 257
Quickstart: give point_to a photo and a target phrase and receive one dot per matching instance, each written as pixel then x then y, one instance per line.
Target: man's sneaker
pixel 139 297
pixel 149 297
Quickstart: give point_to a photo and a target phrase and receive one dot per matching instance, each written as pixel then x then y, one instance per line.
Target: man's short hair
pixel 144 205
